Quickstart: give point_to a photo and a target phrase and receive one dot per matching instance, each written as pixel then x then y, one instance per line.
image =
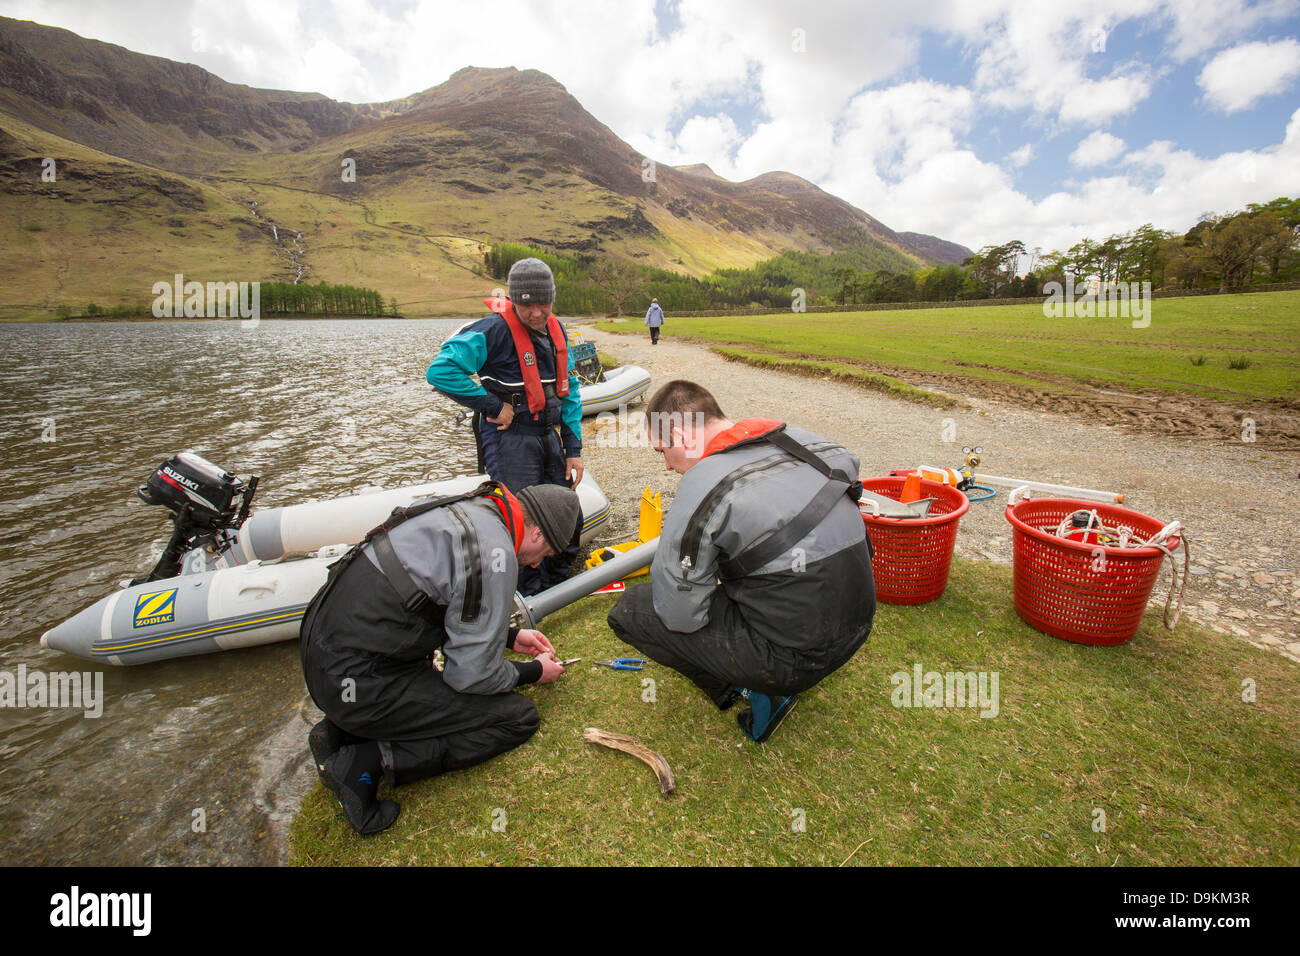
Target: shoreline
pixel 1243 579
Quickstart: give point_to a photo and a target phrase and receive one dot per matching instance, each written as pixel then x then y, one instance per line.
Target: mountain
pixel 161 167
pixel 936 249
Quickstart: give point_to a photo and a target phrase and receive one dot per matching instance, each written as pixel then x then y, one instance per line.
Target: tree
pixel 995 266
pixel 618 279
pixel 1231 244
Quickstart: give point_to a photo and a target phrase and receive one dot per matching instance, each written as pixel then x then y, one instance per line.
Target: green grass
pixel 1154 733
pixel 1018 345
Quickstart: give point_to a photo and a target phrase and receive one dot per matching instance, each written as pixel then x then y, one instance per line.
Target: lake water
pixel 201 760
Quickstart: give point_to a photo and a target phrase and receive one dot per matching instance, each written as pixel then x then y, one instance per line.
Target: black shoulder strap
pixel 838 483
pixel 420 506
pixel 414 599
pixel 783 441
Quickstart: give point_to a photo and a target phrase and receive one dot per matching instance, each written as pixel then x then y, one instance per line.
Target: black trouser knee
pixel 507 721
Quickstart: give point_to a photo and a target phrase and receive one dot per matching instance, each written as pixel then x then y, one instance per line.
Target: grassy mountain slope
pixel 163 167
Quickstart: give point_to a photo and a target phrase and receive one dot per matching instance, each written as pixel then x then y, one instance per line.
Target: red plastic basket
pixel 911 556
pixel 1083 592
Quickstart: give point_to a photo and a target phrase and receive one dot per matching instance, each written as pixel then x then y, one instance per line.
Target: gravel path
pixel 1235 499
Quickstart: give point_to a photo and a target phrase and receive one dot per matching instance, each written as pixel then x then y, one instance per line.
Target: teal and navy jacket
pixel 486 349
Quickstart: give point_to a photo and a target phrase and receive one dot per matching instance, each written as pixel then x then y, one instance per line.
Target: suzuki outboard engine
pixel 202 499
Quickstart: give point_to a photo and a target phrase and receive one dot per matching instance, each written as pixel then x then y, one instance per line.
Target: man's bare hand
pixel 504 417
pixel 573 471
pixel 551 668
pixel 532 643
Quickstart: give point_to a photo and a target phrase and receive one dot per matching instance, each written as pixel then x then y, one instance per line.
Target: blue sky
pixel 975 120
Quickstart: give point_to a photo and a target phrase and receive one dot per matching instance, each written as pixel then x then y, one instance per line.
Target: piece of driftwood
pixel 656 762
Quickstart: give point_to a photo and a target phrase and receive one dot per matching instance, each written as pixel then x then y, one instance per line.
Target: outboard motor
pixel 202 500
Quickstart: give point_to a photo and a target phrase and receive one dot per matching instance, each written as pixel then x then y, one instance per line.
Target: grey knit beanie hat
pixel 556 511
pixel 530 282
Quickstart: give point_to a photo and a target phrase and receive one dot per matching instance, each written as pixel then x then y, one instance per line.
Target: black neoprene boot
pixel 353 774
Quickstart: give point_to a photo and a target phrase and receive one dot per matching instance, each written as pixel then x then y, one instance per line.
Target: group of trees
pixel 1252 247
pixel 1255 246
pixel 587 284
pixel 1248 248
pixel 287 298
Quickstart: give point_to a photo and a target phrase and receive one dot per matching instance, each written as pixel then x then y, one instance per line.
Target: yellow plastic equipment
pixel 649 526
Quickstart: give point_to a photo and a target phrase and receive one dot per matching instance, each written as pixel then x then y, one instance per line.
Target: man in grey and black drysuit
pixel 436 575
pixel 761 585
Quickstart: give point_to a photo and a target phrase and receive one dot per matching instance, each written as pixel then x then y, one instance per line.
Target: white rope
pixel 1125 538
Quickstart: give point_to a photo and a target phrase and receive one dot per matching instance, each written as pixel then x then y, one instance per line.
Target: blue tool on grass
pixel 623 663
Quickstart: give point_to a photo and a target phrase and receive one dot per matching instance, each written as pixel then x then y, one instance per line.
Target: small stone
pixel 1264 579
pixel 1198 570
pixel 1296 593
pixel 1294 647
pixel 1274 603
pixel 1237 615
pixel 1271 641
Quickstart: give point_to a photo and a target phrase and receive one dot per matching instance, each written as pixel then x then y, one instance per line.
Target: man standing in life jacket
pixel 437 575
pixel 761 585
pixel 527 410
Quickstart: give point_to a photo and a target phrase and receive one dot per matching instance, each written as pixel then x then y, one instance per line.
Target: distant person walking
pixel 654 317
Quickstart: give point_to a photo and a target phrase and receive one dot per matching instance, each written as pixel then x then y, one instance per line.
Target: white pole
pixel 1068 491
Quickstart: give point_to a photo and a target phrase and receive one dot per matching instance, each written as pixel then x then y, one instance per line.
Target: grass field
pixel 1016 346
pixel 1153 734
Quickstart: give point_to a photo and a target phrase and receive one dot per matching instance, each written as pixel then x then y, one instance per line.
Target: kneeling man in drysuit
pixel 762 583
pixel 439 574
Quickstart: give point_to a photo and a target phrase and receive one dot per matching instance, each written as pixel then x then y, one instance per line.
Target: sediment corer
pixel 530 610
pixel 1066 491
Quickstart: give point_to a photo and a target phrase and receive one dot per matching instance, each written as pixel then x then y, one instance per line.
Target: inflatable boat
pixel 228 580
pixel 619 386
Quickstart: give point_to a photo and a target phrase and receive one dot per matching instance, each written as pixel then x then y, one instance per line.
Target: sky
pixel 979 121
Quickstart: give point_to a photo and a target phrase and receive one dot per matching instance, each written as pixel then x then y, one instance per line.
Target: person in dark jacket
pixel 654 318
pixel 442 577
pixel 526 404
pixel 761 585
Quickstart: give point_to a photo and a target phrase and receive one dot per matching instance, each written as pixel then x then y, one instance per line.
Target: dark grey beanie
pixel 530 282
pixel 556 510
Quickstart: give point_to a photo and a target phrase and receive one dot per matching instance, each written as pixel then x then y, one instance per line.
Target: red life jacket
pixel 512 513
pixel 527 361
pixel 740 431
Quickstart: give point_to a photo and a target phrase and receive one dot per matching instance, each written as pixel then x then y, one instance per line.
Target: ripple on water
pixel 125 396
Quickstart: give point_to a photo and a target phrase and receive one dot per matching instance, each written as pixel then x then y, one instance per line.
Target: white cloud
pixel 1022 156
pixel 1236 78
pixel 852 111
pixel 1096 149
pixel 1199 26
pixel 1053 59
pixel 705 137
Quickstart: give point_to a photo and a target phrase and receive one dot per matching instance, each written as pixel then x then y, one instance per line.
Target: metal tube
pixel 530 610
pixel 1068 490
